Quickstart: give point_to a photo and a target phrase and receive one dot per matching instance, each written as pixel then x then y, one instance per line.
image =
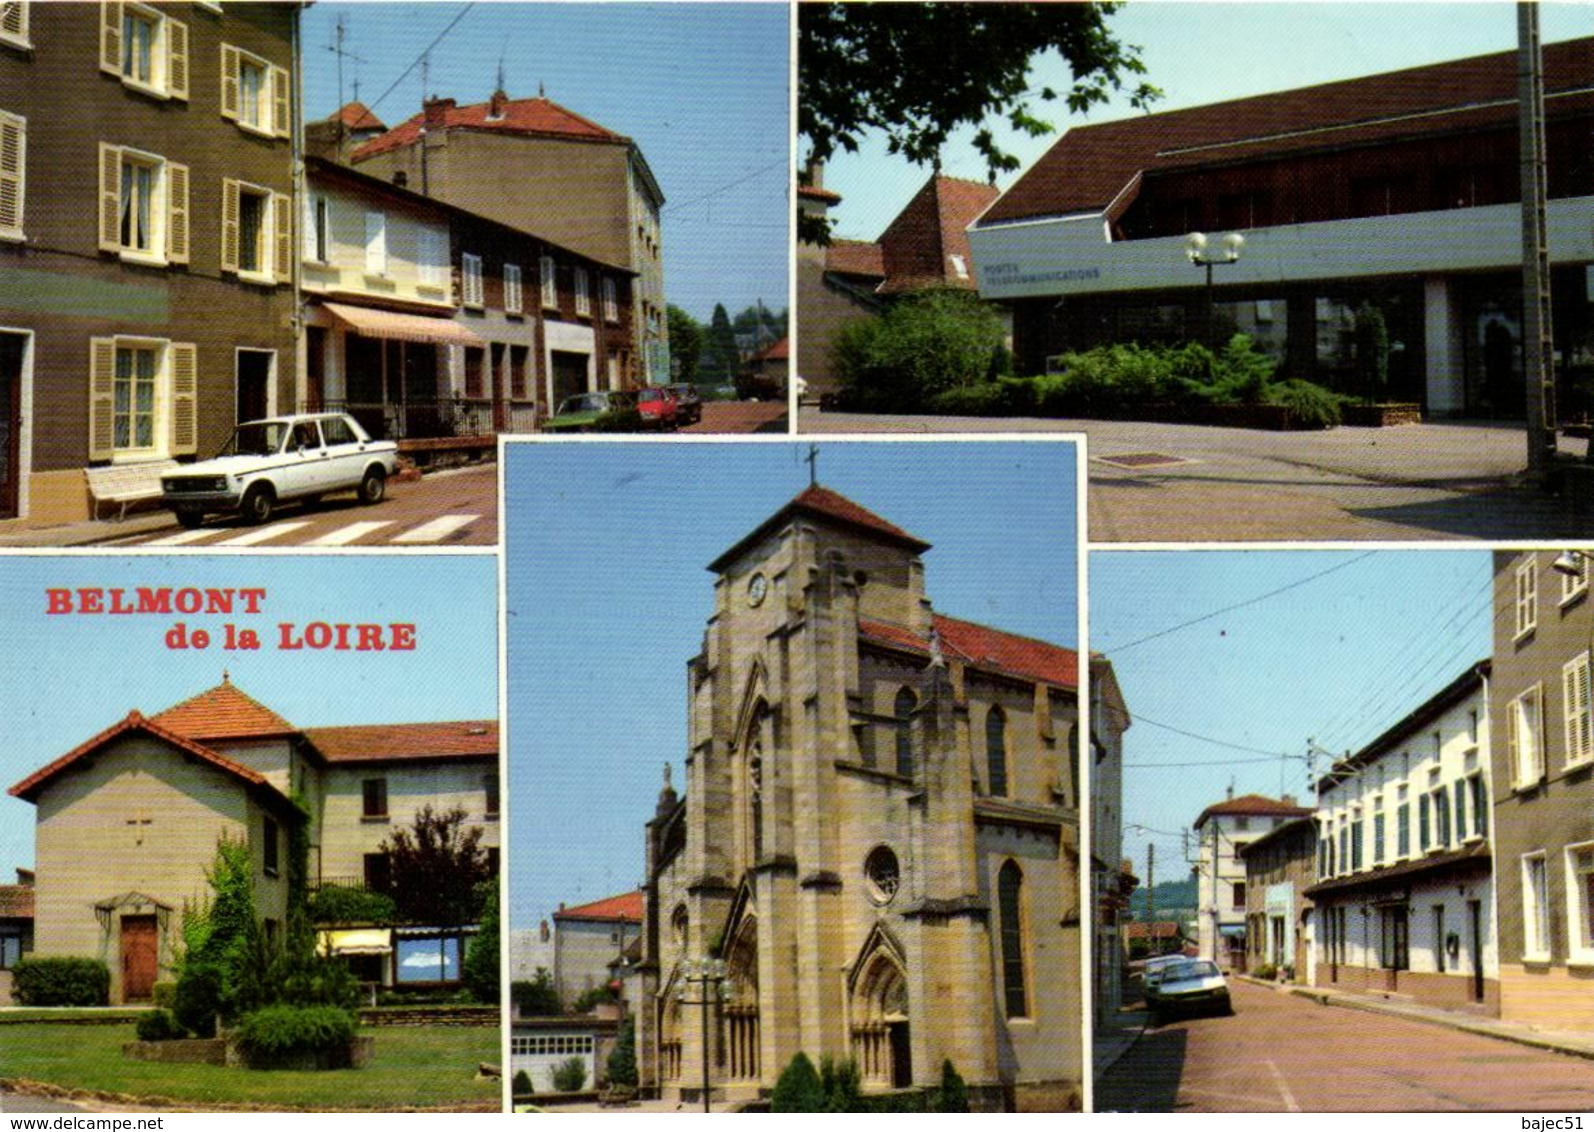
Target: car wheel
pixel 189 517
pixel 373 486
pixel 257 504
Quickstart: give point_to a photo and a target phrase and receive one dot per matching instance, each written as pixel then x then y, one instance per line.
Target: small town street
pixel 1284 1053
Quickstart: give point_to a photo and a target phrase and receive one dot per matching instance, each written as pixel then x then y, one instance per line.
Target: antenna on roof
pixel 226 677
pixel 500 86
pixel 542 91
pixel 813 465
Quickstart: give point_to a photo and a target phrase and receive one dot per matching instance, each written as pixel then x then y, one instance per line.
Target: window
pixel 376 244
pixel 147 50
pixel 1238 894
pixel 13 174
pixel 520 373
pixel 1480 806
pixel 255 94
pixel 1423 838
pixel 1323 869
pixel 1575 702
pixel 490 788
pixel 1523 737
pixel 375 797
pixel 1356 845
pixel 512 296
pixel 1378 837
pixel 431 258
pixel 14 23
pixel 1242 824
pixel 550 287
pixel 583 293
pixel 996 752
pixel 1527 602
pixel 611 302
pixel 1344 847
pixel 1010 905
pixel 256 233
pixel 1580 902
pixel 378 872
pixel 1575 584
pixel 317 229
pixel 268 847
pixel 1439 938
pixel 470 273
pixel 903 711
pixel 1403 830
pixel 1393 942
pixel 141 398
pixel 882 875
pixel 143 206
pixel 1441 814
pixel 475 362
pixel 10 947
pixel 1535 909
pixel 1461 812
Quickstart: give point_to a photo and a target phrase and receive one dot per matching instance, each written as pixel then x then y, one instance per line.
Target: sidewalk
pixel 1114 1037
pixel 90 532
pixel 1573 1043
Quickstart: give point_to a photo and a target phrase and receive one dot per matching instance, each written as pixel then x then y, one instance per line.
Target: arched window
pixel 906 703
pixel 996 752
pixel 1010 904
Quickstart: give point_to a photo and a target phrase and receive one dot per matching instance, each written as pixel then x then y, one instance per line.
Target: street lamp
pixel 1196 248
pixel 713 987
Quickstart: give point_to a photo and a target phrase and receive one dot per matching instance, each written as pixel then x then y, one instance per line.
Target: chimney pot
pixel 436 112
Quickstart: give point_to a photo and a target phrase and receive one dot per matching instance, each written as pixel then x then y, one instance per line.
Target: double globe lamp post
pixel 713 987
pixel 1198 248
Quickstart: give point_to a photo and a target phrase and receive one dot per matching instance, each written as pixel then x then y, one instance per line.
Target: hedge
pixel 61 982
pixel 283 1034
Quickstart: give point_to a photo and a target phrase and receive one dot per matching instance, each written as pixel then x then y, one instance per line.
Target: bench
pixel 126 483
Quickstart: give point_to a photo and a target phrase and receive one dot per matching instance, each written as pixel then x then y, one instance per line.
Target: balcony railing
pixel 432 420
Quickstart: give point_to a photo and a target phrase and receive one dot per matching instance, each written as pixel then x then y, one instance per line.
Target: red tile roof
pixel 626 907
pixel 28 789
pixel 16 901
pixel 777 351
pixel 385 742
pixel 854 257
pixel 527 116
pixel 919 244
pixel 223 712
pixel 983 647
pixel 1252 805
pixel 1139 929
pixel 1089 166
pixel 813 192
pixel 816 500
pixel 358 116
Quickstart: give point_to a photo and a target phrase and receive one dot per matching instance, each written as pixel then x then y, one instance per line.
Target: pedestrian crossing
pixel 380 532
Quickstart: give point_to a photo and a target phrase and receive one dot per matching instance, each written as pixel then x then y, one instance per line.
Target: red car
pixel 658 407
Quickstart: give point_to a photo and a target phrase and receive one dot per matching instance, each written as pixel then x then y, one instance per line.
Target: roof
pixel 826 504
pixel 854 257
pixel 919 245
pixel 530 117
pixel 986 648
pixel 387 742
pixel 1252 805
pixel 778 350
pixel 814 192
pixel 1288 829
pixel 358 116
pixel 1089 166
pixel 16 902
pixel 626 907
pixel 1139 929
pixel 1470 681
pixel 223 712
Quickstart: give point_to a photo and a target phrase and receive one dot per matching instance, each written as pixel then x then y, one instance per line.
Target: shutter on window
pixel 281 102
pixel 185 393
pixel 229 82
pixel 176 58
pixel 176 212
pixel 1513 743
pixel 12 138
pixel 111 36
pixel 283 205
pixel 375 243
pixel 110 197
pixel 12 20
pixel 309 224
pixel 102 382
pixel 229 224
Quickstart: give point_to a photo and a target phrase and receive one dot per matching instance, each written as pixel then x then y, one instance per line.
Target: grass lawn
pixel 414 1067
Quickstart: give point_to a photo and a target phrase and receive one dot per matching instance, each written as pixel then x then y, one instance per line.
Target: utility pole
pixel 1151 900
pixel 1537 341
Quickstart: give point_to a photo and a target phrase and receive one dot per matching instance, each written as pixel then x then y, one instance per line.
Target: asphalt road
pixel 1283 1053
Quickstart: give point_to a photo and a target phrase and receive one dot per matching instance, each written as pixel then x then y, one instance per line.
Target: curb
pixel 1533 1041
pixel 1097 1071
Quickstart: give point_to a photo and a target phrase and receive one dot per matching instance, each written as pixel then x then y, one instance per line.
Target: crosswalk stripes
pixel 435 531
pixel 261 534
pixel 181 538
pixel 351 533
pixel 430 532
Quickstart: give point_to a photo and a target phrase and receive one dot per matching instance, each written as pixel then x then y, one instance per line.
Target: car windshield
pixel 259 438
pixel 1204 969
pixel 583 403
pixel 651 395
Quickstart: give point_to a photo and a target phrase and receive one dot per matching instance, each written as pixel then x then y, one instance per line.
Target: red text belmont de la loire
pixel 159 599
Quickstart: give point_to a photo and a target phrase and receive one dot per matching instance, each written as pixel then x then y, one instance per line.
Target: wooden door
pixel 13 350
pixel 140 943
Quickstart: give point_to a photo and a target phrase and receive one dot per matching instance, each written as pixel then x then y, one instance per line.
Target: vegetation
pixel 591 997
pixel 720 358
pixel 537 997
pixel 224 960
pixel 284 1035
pixel 1371 335
pixel 842 1083
pixel 953 1095
pixel 521 1085
pixel 158 1026
pixel 929 343
pixel 799 1088
pixel 352 906
pixel 570 1075
pixel 686 342
pixel 480 969
pixel 1264 971
pixel 622 1059
pixel 61 982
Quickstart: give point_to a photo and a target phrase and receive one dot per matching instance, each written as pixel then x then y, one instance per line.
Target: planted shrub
pixel 799 1088
pixel 622 1059
pixel 570 1075
pixel 351 906
pixel 197 1001
pixel 158 1026
pixel 1310 405
pixel 291 1035
pixel 522 1084
pixel 842 1082
pixel 61 982
pixel 480 969
pixel 164 994
pixel 954 1094
pixel 1264 971
pixel 925 344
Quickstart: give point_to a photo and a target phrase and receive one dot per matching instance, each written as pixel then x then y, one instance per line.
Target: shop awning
pixel 402 327
pixel 357 941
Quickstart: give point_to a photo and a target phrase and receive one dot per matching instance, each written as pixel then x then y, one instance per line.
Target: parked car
pixel 268 462
pixel 658 407
pixel 1151 974
pixel 689 405
pixel 1192 987
pixel 579 413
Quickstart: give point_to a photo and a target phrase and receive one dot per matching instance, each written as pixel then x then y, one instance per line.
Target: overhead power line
pixel 410 69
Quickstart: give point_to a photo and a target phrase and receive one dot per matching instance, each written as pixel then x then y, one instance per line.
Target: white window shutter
pixel 14 19
pixel 230 208
pixel 13 171
pixel 281 102
pixel 375 243
pixel 102 388
pixel 176 58
pixel 176 212
pixel 110 197
pixel 111 36
pixel 309 224
pixel 282 206
pixel 185 398
pixel 229 82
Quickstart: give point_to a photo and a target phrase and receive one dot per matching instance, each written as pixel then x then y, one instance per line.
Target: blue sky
pixel 1198 53
pixel 1337 658
pixel 608 593
pixel 701 88
pixel 67 677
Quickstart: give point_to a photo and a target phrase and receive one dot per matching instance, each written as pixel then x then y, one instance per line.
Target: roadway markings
pixel 181 538
pixel 437 530
pixel 1284 1089
pixel 354 531
pixel 262 534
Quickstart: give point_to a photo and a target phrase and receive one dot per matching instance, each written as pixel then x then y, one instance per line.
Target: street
pixel 455 508
pixel 1283 1053
pixel 1194 483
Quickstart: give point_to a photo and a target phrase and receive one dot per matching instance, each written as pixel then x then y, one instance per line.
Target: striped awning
pixel 402 327
pixel 357 941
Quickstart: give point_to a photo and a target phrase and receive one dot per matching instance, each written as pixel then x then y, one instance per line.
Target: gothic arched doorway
pixel 881 1039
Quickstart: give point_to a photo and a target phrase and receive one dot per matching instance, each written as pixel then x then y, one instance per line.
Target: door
pixel 315 369
pixel 254 384
pixel 498 387
pixel 569 376
pixel 140 940
pixel 13 352
pixel 1475 931
pixel 901 1057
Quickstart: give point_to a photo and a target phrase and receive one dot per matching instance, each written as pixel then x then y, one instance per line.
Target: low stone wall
pixel 185 1051
pixel 431 1016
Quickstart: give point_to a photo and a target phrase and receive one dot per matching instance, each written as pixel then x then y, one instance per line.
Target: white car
pixel 267 462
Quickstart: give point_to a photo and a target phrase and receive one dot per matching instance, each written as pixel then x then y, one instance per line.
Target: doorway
pixel 254 383
pixel 140 943
pixel 1475 946
pixel 569 375
pixel 13 356
pixel 901 1057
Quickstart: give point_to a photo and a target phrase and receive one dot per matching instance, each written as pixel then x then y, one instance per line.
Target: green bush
pixel 1311 406
pixel 283 1035
pixel 570 1075
pixel 591 997
pixel 521 1085
pixel 925 344
pixel 352 906
pixel 225 958
pixel 479 972
pixel 308 978
pixel 953 1095
pixel 799 1088
pixel 197 1001
pixel 158 1026
pixel 842 1083
pixel 538 997
pixel 622 1059
pixel 164 994
pixel 1264 971
pixel 61 982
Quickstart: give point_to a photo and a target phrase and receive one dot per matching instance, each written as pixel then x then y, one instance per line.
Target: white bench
pixel 126 483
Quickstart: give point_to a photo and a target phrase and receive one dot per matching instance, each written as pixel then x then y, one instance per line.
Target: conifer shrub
pixel 799 1088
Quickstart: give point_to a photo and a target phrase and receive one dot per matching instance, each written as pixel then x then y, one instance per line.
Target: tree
pixel 538 997
pixel 435 866
pixel 720 356
pixel 224 957
pixel 917 72
pixel 686 342
pixel 480 971
pixel 1372 352
pixel 926 344
pixel 799 1088
pixel 954 1094
pixel 622 1059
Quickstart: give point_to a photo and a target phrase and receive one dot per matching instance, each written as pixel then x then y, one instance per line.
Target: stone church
pixel 879 837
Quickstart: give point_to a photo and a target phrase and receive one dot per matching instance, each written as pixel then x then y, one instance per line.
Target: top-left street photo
pixel 288 271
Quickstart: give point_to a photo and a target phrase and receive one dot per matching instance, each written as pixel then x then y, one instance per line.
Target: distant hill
pixel 1173 896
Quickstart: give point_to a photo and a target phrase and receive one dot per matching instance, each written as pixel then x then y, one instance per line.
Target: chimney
pixel 436 113
pixel 1289 799
pixel 542 931
pixel 495 105
pixel 1229 794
